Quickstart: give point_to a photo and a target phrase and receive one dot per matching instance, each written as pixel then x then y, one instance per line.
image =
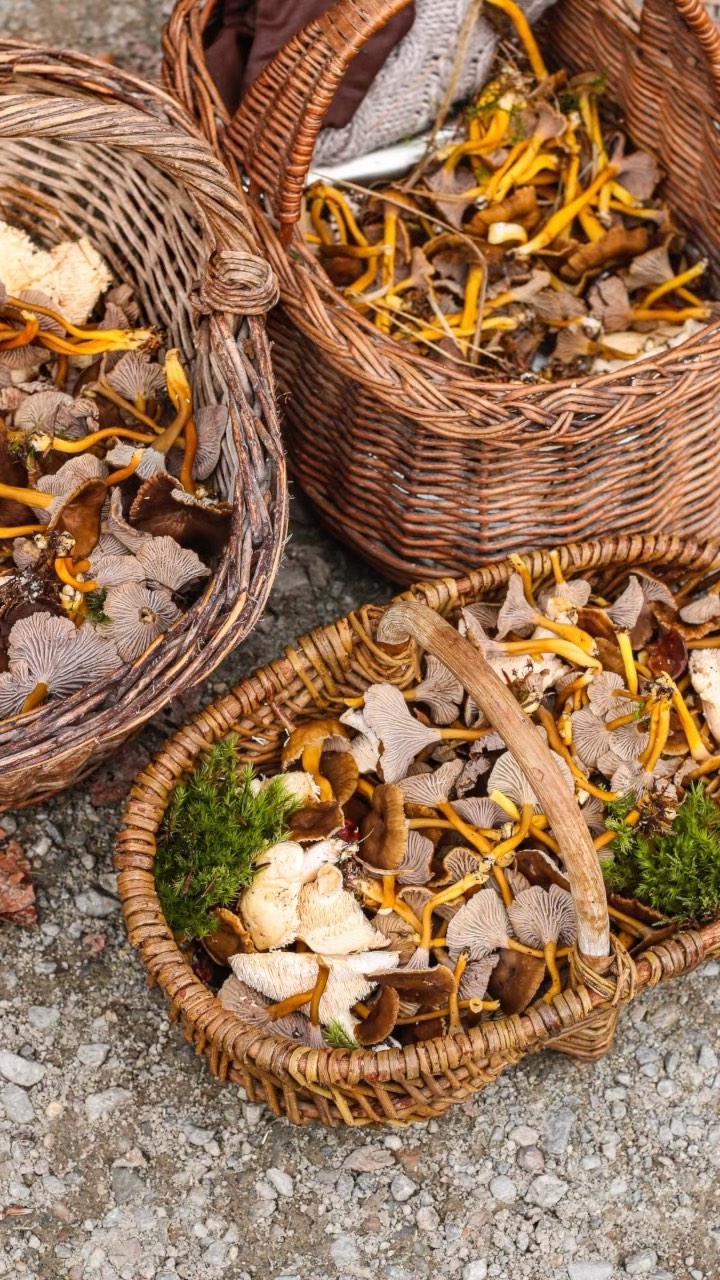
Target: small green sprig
pixel 95 606
pixel 337 1037
pixel 214 830
pixel 676 871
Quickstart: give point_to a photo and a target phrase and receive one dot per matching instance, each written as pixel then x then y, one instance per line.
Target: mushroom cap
pixel 381 1019
pixel 332 922
pixel 71 474
pixel 400 934
pixel 310 734
pixel 440 690
pixel 517 881
pixel 655 589
pixel 610 303
pixel 323 851
pixel 168 565
pixel 515 980
pixel 701 610
pixel 269 907
pixel 298 784
pixel 593 811
pixel 279 974
pixel 704 666
pixel 480 811
pixel 402 736
pixel 152 461
pixel 648 269
pixel 516 614
pixel 316 821
pixel 114 570
pixel 475 978
pixel 508 777
pixel 161 507
pixel 79 513
pixel 341 771
pixel 416 866
pixel 479 927
pixel 137 617
pixel 15 687
pixel 632 778
pixel 134 375
pixel 589 735
pixel 626 609
pixel 460 862
pixel 212 422
pixel 252 1008
pixel 384 830
pixel 543 915
pixel 432 788
pixel 602 695
pixel 53 412
pixel 558 599
pixel 59 654
pixel 116 526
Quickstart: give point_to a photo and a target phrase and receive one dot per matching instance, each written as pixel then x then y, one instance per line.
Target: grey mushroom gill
pixel 108 524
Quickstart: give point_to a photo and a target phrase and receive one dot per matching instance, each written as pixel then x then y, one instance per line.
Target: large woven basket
pixel 87 149
pixel 427 471
pixel 357 1087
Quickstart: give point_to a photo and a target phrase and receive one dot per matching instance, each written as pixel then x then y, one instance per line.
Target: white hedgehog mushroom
pixel 72 273
pixel 331 921
pixel 294 978
pixel 705 675
pixel 269 908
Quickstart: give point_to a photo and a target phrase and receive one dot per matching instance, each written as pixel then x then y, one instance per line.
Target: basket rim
pixel 506 1035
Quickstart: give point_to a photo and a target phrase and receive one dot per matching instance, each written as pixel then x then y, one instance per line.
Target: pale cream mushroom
pixel 603 692
pixel 291 979
pixel 402 736
pixel 439 690
pixel 543 918
pixel 704 667
pixel 480 927
pixel 704 609
pixel 365 746
pixel 332 922
pixel 296 783
pixel 316 855
pixel 136 378
pixel 137 617
pixel 592 738
pixel 114 570
pixel 269 907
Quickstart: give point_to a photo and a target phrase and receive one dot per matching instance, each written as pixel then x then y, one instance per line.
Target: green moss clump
pixel 95 605
pixel 214 830
pixel 337 1037
pixel 675 870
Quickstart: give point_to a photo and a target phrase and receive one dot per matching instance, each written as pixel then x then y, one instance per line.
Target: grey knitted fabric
pixel 404 98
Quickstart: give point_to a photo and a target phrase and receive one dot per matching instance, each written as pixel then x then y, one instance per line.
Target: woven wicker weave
pixel 356 1087
pixel 427 471
pixel 160 209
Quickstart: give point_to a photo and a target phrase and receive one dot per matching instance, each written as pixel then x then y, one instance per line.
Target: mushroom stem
pixel 186 475
pixel 63 569
pixel 558 574
pixel 620 722
pixel 109 340
pixel 450 894
pixel 698 750
pixel 502 884
pixel 181 396
pixel 566 631
pixel 417 824
pixel 507 846
pixel 525 35
pixel 124 473
pixel 547 644
pixel 311 757
pixel 20 530
pixel 551 961
pixel 505 803
pixel 514 945
pixel 659 734
pixel 106 391
pixel 21 337
pixel 626 653
pixel 557 744
pixel 522 570
pixel 453 1006
pixel 702 770
pixel 31 497
pixel 33 700
pixel 283 1007
pixel 473 1006
pixel 60 445
pixel 388 898
pixel 76 331
pixel 607 837
pixel 676 282
pixel 538 833
pixel 632 926
pixel 318 989
pixel 565 215
pixel 470 833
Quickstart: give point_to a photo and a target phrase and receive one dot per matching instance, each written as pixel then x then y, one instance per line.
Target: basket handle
pixel 412 618
pixel 274 131
pixel 236 277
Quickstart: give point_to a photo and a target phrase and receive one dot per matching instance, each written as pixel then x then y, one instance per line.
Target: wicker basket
pixel 356 1087
pixel 161 210
pixel 426 471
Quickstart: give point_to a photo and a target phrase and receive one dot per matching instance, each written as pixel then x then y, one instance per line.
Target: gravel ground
pixel 120 1156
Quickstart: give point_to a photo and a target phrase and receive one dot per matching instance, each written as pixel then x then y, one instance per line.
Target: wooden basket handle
pixel 275 129
pixel 237 279
pixel 503 712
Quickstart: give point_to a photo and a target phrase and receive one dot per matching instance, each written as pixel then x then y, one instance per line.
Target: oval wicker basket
pixel 357 1087
pixel 424 470
pixel 156 203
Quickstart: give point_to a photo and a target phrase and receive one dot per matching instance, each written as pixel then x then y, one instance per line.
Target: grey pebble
pixel 281 1180
pixel 125 1184
pixel 531 1159
pixel 197 1136
pixel 97 905
pixel 402 1188
pixel 92 1055
pixel 369 1159
pixel 590 1270
pixel 427 1219
pixel 20 1070
pixel 42 1017
pixel 16 1104
pixel 99 1105
pixel 707 1058
pixel 475 1270
pixel 503 1189
pixel 546 1191
pixel 524 1136
pixel 641 1263
pixel 666 1088
pixel 558 1127
pixel 344 1251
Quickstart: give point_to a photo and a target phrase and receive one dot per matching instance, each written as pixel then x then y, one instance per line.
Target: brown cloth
pixel 246 35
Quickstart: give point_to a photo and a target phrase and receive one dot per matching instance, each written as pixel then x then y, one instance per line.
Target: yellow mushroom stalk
pixel 527 39
pixel 561 220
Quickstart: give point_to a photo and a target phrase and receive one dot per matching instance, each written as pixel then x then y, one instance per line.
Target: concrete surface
pixel 122 1159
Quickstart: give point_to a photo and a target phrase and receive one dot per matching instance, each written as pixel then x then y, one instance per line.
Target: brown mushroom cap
pixel 80 516
pixel 310 734
pixel 342 773
pixel 515 980
pixel 384 830
pixel 316 821
pixel 419 986
pixel 381 1019
pixel 162 508
pixel 228 938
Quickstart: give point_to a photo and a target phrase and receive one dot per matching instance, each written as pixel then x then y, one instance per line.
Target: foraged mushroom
pixel 705 675
pixel 50 656
pixel 269 907
pixel 291 977
pixel 137 616
pixel 543 918
pixel 332 922
pixel 254 1009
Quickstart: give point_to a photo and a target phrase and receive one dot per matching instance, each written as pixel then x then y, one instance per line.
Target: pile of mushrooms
pixel 108 528
pixel 533 242
pixel 421 888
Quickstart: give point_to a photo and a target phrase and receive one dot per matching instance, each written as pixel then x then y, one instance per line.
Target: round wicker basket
pixel 86 149
pixel 355 1087
pixel 425 470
